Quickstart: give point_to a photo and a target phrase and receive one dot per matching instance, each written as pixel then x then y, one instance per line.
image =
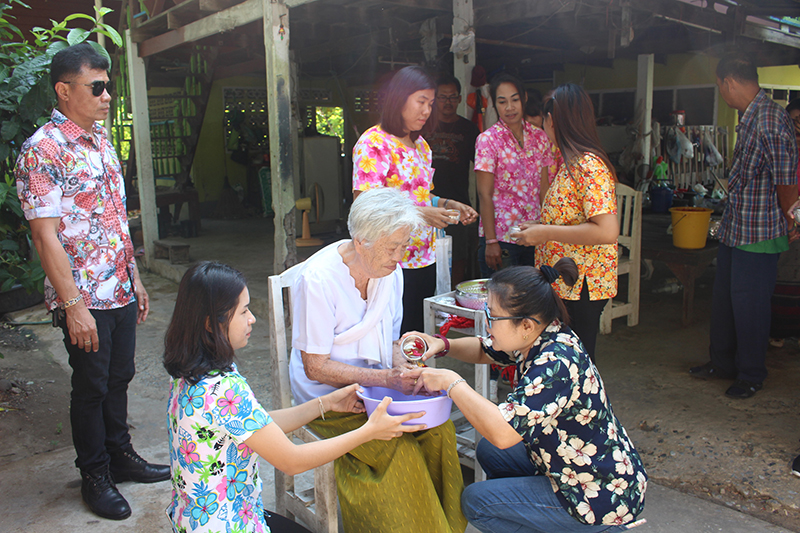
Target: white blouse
pixel 326 304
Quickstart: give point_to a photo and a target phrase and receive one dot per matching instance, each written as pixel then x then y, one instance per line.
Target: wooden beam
pixel 444 6
pixel 275 15
pixel 176 20
pixel 215 5
pixel 520 10
pixel 142 142
pixel 771 35
pixel 219 22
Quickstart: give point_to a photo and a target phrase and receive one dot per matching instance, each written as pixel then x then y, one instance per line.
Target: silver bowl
pixel 472 294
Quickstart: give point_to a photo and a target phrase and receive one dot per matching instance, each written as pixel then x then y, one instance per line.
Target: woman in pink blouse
pixel 511 163
pixel 394 154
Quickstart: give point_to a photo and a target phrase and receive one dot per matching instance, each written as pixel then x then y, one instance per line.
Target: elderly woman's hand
pixel 344 400
pixel 399 379
pixel 435 216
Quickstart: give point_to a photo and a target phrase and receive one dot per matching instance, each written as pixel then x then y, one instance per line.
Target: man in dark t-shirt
pixel 453 148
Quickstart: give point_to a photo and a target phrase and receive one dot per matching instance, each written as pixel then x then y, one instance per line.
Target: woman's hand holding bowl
pixel 531 234
pixel 468 214
pixel 435 344
pixel 344 400
pixel 383 426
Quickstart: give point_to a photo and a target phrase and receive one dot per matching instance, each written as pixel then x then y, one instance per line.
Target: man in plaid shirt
pixel 755 229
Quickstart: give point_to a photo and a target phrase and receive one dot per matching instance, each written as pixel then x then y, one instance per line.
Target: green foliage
pixel 330 121
pixel 26 100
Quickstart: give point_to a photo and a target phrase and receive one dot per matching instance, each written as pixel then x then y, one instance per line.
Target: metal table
pixel 466 436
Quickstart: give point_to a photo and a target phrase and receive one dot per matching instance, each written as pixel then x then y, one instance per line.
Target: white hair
pixel 380 212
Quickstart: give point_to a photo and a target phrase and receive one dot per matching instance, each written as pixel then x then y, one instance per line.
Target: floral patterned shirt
pixel 561 411
pixel 517 173
pixel 381 160
pixel 65 172
pixel 215 481
pixel 570 202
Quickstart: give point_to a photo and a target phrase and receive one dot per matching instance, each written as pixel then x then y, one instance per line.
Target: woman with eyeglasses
pixel 556 457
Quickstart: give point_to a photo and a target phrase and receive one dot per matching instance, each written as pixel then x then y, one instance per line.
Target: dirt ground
pixel 691 437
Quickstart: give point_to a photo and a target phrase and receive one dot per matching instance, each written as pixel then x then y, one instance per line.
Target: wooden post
pixel 144 155
pixel 281 141
pixel 463 20
pixel 644 98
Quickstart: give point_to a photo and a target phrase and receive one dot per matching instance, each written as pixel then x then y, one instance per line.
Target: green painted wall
pixel 783 75
pixel 209 168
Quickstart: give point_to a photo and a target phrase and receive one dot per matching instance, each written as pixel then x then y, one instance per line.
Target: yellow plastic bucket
pixel 690 226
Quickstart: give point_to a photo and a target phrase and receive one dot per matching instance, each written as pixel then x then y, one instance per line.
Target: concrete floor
pixel 723 456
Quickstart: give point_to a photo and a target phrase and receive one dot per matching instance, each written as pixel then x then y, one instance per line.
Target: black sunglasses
pixel 491 318
pixel 97 86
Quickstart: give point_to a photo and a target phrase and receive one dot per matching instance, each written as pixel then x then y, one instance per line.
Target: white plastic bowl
pixel 437 408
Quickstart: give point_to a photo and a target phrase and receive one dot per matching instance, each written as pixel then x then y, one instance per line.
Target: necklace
pixel 520 138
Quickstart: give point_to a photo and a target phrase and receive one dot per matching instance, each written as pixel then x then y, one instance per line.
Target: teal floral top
pixel 215 481
pixel 560 409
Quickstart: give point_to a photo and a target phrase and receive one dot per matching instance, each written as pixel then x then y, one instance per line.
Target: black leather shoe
pixel 101 495
pixel 742 389
pixel 126 465
pixel 708 370
pixel 796 466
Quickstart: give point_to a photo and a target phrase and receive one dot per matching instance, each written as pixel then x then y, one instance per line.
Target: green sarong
pixel 410 483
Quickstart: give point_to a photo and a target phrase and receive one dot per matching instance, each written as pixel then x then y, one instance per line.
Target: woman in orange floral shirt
pixel 579 213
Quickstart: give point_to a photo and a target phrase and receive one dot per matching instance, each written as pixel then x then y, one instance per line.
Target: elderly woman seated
pixel 347 310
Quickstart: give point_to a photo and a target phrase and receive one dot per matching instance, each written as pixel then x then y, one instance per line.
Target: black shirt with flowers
pixel 560 409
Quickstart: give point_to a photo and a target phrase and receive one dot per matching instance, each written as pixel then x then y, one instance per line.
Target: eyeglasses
pixel 97 86
pixel 451 99
pixel 491 318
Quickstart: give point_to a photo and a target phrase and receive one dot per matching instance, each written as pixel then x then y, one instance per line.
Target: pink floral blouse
pixel 517 173
pixel 381 160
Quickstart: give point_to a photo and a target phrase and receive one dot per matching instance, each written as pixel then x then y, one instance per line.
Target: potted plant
pixel 26 101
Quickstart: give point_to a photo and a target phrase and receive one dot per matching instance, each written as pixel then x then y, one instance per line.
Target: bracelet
pixel 446 346
pixel 492 241
pixel 434 201
pixel 453 384
pixel 73 301
pixel 445 202
pixel 321 408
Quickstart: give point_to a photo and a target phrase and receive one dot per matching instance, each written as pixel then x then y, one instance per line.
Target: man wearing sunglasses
pixel 70 184
pixel 453 148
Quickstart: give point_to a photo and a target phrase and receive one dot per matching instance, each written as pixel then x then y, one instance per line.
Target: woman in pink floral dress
pixel 579 213
pixel 511 164
pixel 394 154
